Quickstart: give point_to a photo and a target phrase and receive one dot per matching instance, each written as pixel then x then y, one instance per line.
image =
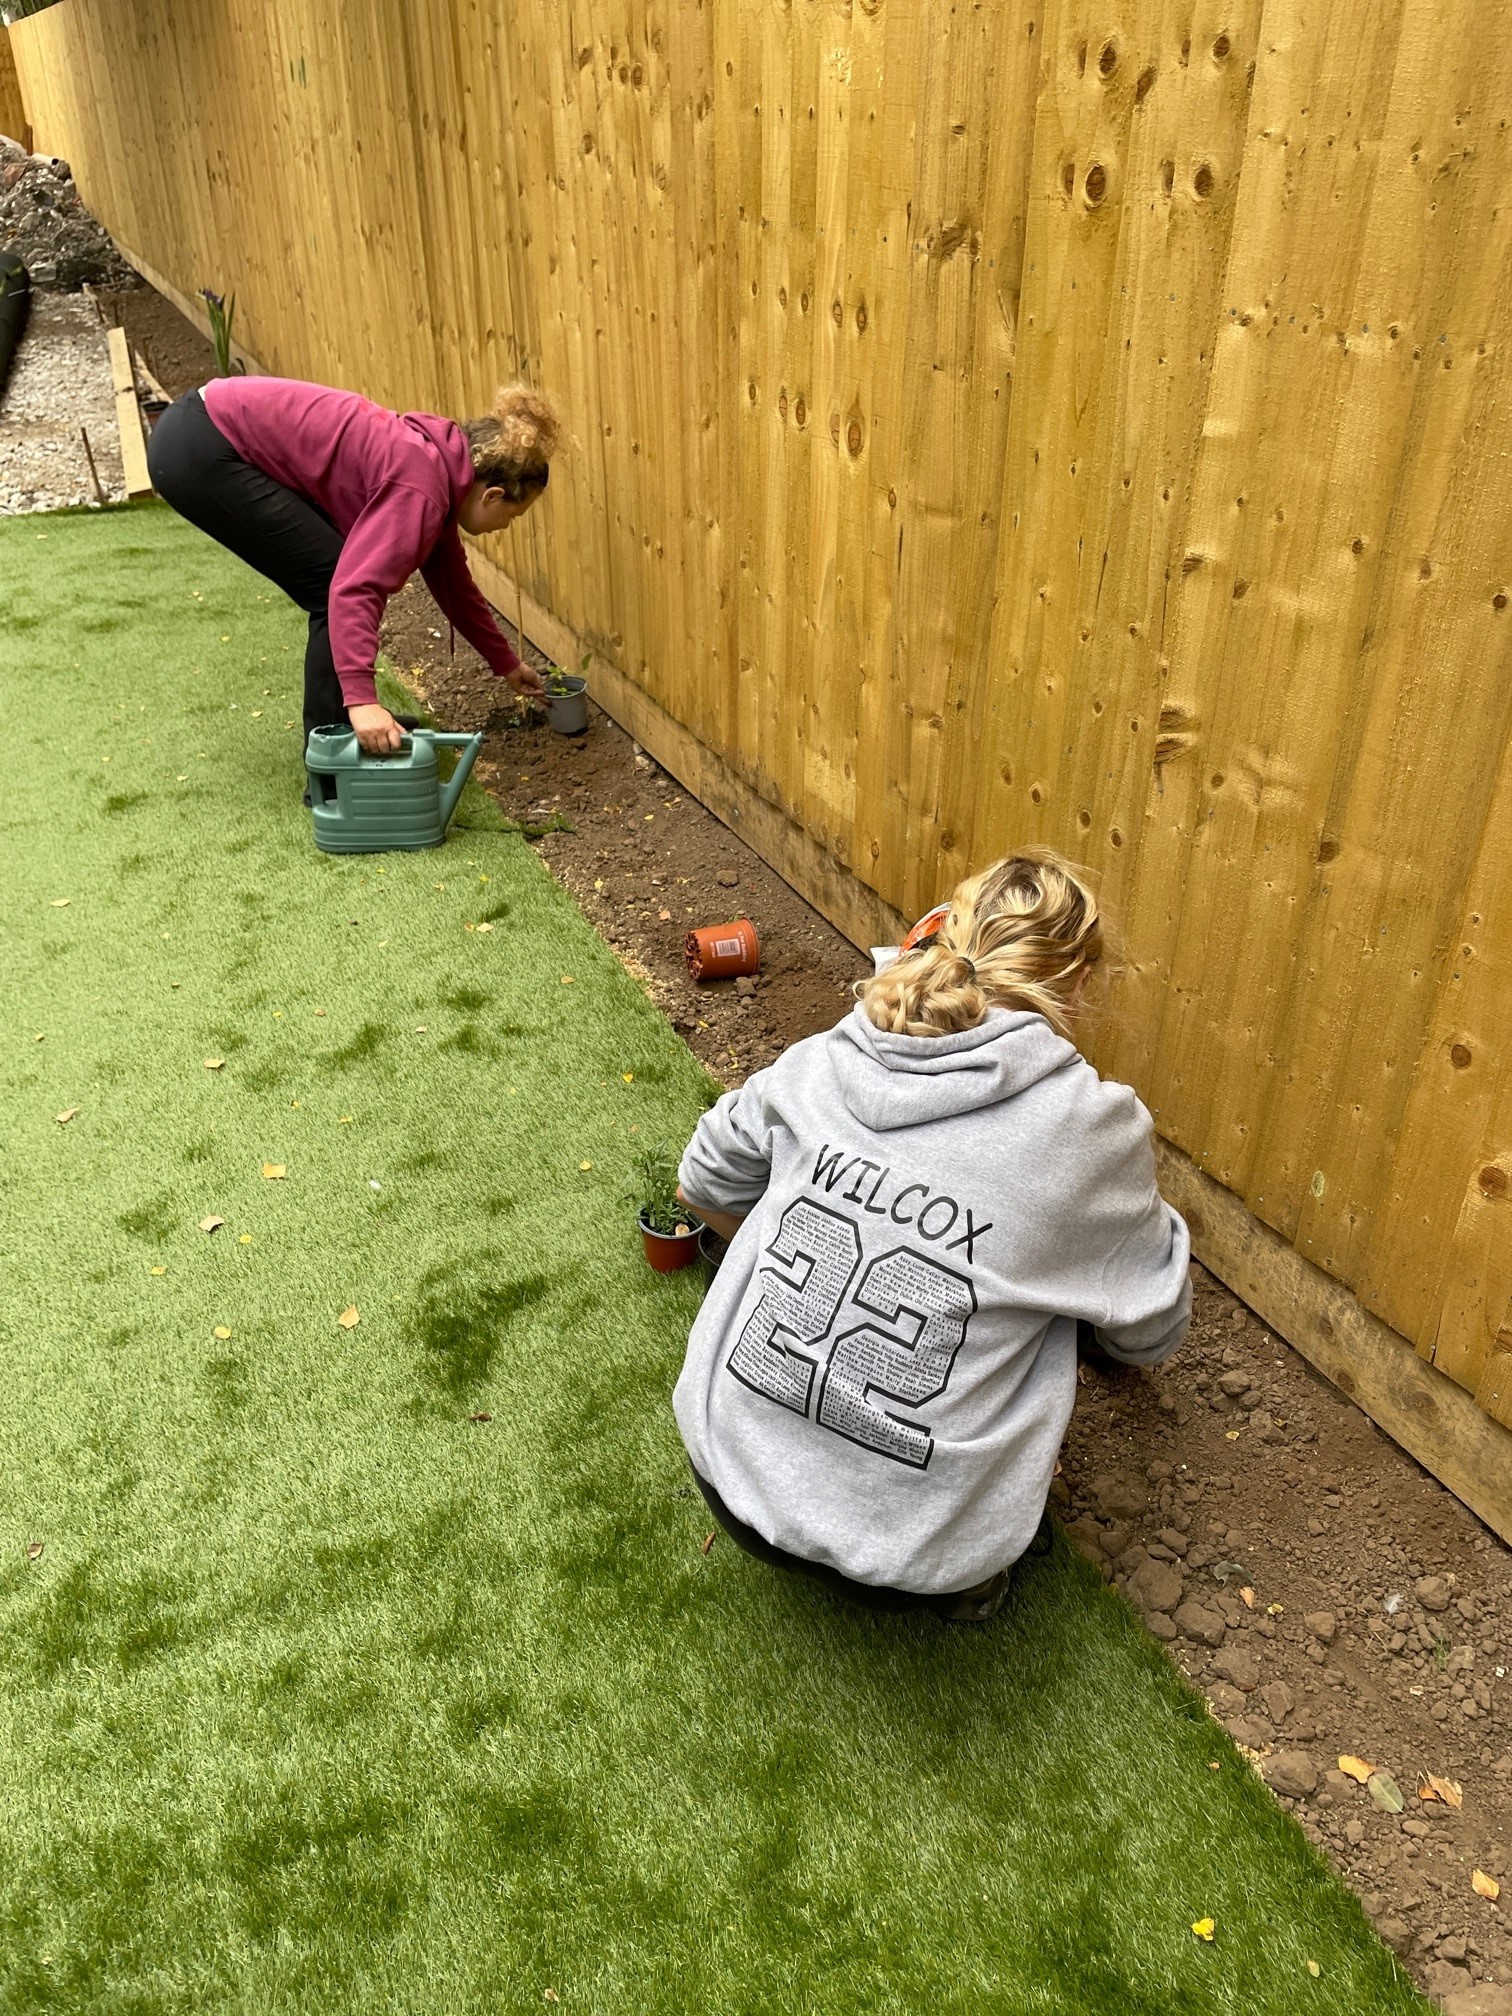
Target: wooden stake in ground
pixel 128 418
pixel 94 474
pixel 514 568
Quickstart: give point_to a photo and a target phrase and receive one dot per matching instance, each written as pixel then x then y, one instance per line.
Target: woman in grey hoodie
pixel 922 1203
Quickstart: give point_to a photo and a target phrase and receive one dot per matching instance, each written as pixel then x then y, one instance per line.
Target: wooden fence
pixel 1068 420
pixel 12 111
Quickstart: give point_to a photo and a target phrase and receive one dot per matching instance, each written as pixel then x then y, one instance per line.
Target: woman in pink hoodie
pixel 339 501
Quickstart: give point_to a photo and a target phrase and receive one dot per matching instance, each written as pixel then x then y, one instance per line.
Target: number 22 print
pixel 913 1312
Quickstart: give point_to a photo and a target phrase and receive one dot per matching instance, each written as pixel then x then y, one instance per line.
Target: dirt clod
pixel 1292 1773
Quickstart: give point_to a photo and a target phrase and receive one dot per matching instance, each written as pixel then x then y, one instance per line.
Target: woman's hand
pixel 527 682
pixel 377 732
pixel 725 1223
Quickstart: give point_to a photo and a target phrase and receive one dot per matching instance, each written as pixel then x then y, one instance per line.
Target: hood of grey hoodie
pixel 893 1082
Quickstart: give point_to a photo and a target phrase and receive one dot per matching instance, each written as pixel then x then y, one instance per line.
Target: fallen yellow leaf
pixel 274 1172
pixel 1314 1969
pixel 221 1332
pixel 1275 1609
pixel 68 1113
pixel 485 927
pixel 257 713
pixel 1231 1434
pixel 159 1270
pixel 215 1063
pixel 1356 1768
pixel 568 980
pixel 244 1238
pixel 1430 1787
pixel 628 1076
pixel 1247 1598
pixel 345 1120
pixel 1484 1885
pixel 1204 1928
pixel 320 1011
pixel 61 902
pixel 211 1224
pixel 349 1319
pixel 585 1167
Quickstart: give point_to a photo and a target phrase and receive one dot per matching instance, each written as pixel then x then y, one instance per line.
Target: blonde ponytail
pixel 1024 933
pixel 513 446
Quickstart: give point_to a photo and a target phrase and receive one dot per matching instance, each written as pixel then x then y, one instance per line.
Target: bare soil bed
pixel 1329 1597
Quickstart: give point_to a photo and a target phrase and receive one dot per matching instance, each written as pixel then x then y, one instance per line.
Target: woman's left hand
pixel 527 682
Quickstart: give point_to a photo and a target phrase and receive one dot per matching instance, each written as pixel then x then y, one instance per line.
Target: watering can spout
pixel 451 791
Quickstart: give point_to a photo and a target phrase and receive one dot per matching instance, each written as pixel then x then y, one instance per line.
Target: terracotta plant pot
pixel 667 1251
pixel 723 951
pixel 927 926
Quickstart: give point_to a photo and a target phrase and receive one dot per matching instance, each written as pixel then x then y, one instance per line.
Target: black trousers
pixel 872 1595
pixel 196 470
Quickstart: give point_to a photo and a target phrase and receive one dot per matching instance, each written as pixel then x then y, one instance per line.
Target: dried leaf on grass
pixel 1432 1787
pixel 68 1113
pixel 61 902
pixel 480 1417
pixel 1385 1791
pixel 211 1224
pixel 708 1543
pixel 34 1549
pixel 159 1270
pixel 349 1318
pixel 1204 1928
pixel 1247 1598
pixel 215 1063
pixel 221 1334
pixel 1356 1768
pixel 1314 1969
pixel 1484 1885
pixel 274 1172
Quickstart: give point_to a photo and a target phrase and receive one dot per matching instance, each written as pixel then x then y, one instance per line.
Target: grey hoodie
pixel 884 1367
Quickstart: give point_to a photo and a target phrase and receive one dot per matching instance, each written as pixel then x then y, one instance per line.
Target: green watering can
pixel 381 804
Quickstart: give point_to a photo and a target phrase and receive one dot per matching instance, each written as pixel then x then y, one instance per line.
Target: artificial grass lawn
pixel 323 1696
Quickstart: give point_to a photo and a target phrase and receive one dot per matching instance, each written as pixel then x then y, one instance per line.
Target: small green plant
pixel 556 677
pixel 652 1189
pixel 222 314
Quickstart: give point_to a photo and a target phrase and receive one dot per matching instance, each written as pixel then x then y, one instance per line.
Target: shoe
pixel 979 1605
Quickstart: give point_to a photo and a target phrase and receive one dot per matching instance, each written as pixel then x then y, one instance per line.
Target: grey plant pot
pixel 567 712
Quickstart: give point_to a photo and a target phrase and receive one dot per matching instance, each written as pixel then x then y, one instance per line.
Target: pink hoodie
pixel 391 484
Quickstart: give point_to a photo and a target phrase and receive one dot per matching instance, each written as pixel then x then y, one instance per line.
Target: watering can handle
pixel 445 740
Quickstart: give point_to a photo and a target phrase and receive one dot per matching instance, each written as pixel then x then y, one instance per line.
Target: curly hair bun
pixel 1022 934
pixel 529 425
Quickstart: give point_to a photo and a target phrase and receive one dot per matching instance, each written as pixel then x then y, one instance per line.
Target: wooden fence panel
pixel 1066 420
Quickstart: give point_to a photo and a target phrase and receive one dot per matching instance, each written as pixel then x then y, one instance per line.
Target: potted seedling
pixel 567 699
pixel 669 1230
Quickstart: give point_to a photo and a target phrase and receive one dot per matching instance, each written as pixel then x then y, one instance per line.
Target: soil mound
pixel 43 218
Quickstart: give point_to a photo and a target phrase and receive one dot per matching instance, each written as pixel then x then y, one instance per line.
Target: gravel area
pixel 59 382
